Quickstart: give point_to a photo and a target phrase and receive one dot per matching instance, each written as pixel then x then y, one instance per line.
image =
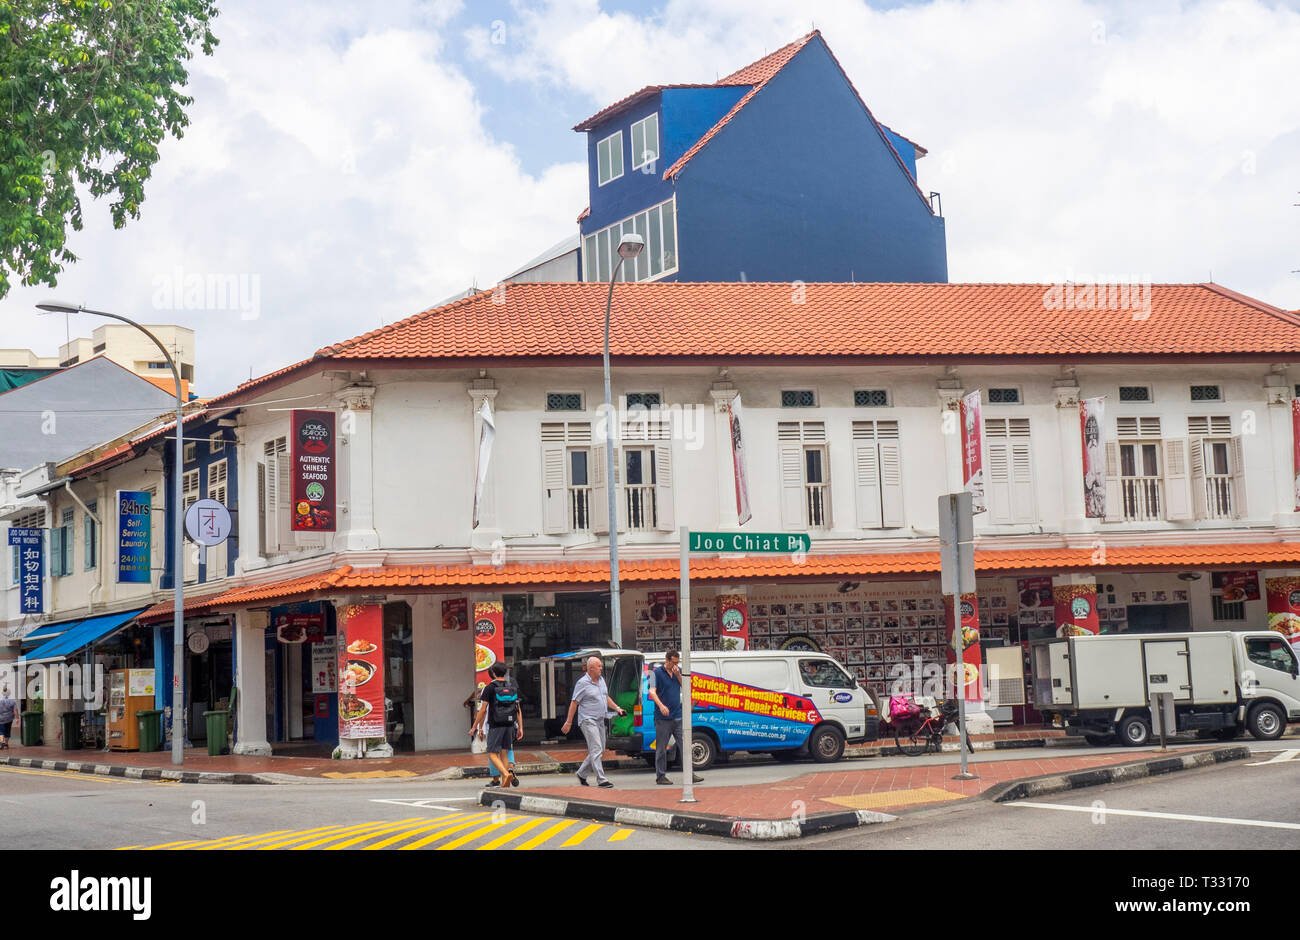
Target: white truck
pixel 1100 687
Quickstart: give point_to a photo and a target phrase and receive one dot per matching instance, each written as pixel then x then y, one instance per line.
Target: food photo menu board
pixel 361 671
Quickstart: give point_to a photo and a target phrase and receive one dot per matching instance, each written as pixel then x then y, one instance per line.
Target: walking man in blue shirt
pixel 666 693
pixel 590 698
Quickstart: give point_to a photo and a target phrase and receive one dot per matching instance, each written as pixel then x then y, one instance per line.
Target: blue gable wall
pixel 688 113
pixel 800 186
pixel 204 456
pixel 634 190
pixel 905 150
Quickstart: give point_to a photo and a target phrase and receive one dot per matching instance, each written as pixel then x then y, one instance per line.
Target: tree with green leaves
pixel 88 90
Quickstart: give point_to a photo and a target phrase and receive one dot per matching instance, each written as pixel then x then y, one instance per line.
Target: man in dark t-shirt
pixel 500 734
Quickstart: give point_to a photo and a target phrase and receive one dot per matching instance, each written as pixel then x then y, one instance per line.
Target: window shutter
pixel 999 479
pixel 791 456
pixel 664 515
pixel 1236 455
pixel 866 462
pixel 56 551
pixel 599 492
pixel 1178 502
pixel 263 498
pixel 891 484
pixel 1114 490
pixel 1022 483
pixel 1199 507
pixel 283 502
pixel 555 493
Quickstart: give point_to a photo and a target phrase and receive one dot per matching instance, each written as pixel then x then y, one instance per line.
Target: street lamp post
pixel 178 520
pixel 628 248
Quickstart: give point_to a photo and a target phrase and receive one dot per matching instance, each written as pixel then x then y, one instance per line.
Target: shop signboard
pixel 972 450
pixel 1284 608
pixel 207 522
pixel 663 606
pixel 300 628
pixel 139 681
pixel 455 614
pixel 134 525
pixel 733 621
pixel 778 543
pixel 1295 447
pixel 313 471
pixel 489 639
pixel 962 622
pixel 1091 421
pixel 323 659
pixel 1237 586
pixel 361 671
pixel 30 545
pixel 1076 609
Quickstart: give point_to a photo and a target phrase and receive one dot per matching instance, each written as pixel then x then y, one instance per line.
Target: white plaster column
pixel 1070 449
pixel 356 452
pixel 727 518
pixel 1278 395
pixel 250 679
pixel 487 537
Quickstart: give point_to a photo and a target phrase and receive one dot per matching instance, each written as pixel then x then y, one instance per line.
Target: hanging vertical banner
pixel 733 621
pixel 486 435
pixel 1076 609
pixel 313 471
pixel 30 545
pixel 1284 608
pixel 962 623
pixel 134 524
pixel 743 511
pixel 1295 445
pixel 972 450
pixel 455 614
pixel 1091 418
pixel 489 639
pixel 361 671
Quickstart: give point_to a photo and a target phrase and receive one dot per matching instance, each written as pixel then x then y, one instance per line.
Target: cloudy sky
pixel 357 163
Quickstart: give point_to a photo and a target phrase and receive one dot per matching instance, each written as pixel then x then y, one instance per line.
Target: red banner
pixel 1076 609
pixel 1284 608
pixel 733 622
pixel 489 639
pixel 361 671
pixel 962 624
pixel 712 692
pixel 1035 593
pixel 743 512
pixel 455 614
pixel 663 606
pixel 972 450
pixel 312 471
pixel 1237 586
pixel 300 628
pixel 1091 417
pixel 1295 445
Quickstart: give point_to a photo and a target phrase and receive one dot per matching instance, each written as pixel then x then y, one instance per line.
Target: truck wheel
pixel 1100 740
pixel 1135 731
pixel 826 744
pixel 1266 722
pixel 704 750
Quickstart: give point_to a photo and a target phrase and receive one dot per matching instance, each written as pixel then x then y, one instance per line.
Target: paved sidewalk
pixel 847 798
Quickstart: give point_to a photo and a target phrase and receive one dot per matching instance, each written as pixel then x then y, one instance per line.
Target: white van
pixel 783 702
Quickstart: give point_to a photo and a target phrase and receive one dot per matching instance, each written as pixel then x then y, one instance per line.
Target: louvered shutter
pixel 1236 453
pixel 262 501
pixel 1022 483
pixel 998 482
pixel 791 457
pixel 866 463
pixel 1178 502
pixel 1199 509
pixel 664 515
pixel 555 493
pixel 599 492
pixel 1114 488
pixel 891 484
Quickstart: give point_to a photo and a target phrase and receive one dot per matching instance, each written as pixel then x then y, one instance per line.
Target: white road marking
pixel 430 804
pixel 1282 758
pixel 1263 824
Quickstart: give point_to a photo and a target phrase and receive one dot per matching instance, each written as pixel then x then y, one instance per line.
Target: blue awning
pixel 83 634
pixel 48 631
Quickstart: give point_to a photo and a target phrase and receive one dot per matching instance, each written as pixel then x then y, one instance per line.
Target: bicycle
pixel 915 736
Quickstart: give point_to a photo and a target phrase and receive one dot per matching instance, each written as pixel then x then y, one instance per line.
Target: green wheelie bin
pixel 216 731
pixel 32 728
pixel 148 723
pixel 71 722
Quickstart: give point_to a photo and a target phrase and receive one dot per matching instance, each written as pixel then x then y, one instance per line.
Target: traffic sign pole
pixel 957 576
pixel 683 617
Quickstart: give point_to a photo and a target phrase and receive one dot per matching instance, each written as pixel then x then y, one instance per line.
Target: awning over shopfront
pixel 88 631
pixel 46 632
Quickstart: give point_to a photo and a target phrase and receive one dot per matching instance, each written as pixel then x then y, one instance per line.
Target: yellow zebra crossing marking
pixel 448 832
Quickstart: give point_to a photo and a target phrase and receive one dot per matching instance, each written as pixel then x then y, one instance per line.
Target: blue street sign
pixel 134 530
pixel 30 544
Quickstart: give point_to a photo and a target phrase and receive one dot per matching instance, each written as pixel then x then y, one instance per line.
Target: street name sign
pixel 780 543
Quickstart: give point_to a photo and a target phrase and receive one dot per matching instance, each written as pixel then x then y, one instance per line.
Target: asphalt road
pixel 48 810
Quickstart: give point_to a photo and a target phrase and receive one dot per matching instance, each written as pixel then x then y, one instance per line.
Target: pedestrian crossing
pixel 478 829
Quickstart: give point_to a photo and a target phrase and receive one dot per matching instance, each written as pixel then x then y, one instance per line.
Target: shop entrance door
pixel 398 684
pixel 586 620
pixel 1158 618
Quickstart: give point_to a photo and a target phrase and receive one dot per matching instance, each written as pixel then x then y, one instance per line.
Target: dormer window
pixel 645 142
pixel 609 158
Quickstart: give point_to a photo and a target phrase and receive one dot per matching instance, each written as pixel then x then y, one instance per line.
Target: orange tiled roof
pixel 866 321
pixel 417 578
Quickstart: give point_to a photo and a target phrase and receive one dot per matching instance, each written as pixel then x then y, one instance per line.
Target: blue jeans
pixel 492 769
pixel 663 728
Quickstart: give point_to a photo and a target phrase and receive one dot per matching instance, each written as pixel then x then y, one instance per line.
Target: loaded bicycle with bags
pixel 918 722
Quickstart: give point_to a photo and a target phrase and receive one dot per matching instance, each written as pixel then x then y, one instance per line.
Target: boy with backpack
pixel 499 706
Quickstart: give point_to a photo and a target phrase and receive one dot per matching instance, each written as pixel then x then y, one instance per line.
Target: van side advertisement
pixel 712 692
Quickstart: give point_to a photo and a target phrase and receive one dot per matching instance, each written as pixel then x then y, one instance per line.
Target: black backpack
pixel 505 705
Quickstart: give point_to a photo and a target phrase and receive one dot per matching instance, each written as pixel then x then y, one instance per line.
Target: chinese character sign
pixel 134 527
pixel 30 545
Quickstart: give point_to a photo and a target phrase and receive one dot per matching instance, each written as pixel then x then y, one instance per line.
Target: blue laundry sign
pixel 30 544
pixel 134 525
